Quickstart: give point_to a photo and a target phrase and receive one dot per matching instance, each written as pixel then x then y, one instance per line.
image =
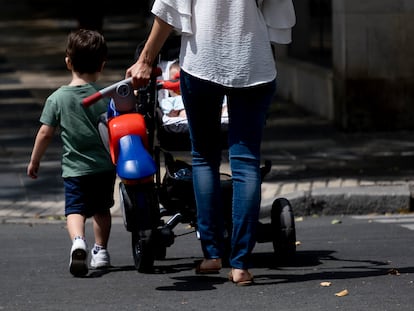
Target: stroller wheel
pixel 142 251
pixel 283 228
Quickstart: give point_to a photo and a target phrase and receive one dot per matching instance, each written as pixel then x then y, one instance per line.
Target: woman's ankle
pixel 241 275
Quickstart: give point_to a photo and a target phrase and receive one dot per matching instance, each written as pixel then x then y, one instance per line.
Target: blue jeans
pixel 247 108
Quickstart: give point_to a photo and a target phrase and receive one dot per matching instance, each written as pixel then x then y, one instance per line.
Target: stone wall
pixel 373 64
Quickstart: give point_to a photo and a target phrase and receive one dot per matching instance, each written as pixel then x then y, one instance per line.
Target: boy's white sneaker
pixel 100 259
pixel 78 258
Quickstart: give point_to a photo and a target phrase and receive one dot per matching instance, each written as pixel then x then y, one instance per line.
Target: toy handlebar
pixel 121 90
pixel 88 101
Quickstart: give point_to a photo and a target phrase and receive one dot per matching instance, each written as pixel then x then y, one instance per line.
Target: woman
pixel 225 51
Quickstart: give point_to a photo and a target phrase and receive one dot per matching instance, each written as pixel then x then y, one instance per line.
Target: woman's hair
pixel 87 50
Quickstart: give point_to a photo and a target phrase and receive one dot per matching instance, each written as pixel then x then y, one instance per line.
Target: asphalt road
pixel 370 257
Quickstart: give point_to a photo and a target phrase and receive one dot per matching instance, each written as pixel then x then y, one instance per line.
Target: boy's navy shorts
pixel 90 194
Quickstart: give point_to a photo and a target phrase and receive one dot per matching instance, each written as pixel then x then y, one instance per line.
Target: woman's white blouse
pixel 228 41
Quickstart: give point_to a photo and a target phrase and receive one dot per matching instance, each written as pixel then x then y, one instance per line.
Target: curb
pixel 320 201
pixel 346 201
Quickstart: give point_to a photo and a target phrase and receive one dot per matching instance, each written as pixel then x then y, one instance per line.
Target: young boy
pixel 87 171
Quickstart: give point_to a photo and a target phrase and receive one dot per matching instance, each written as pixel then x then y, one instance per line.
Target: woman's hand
pixel 140 73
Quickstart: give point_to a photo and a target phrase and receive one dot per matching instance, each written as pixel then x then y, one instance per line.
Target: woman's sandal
pixel 208 266
pixel 246 282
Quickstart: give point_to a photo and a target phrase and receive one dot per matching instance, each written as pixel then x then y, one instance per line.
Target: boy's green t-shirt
pixel 83 151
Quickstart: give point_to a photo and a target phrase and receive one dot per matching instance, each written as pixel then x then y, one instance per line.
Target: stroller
pixel 137 139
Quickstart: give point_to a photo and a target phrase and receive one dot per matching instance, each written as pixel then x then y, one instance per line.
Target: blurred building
pixel 352 62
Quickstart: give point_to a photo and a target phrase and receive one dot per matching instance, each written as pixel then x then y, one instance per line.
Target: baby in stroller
pixel 171 103
pixel 172 106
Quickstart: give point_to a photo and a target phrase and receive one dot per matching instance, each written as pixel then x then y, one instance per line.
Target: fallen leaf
pixel 336 221
pixel 325 284
pixel 299 219
pixel 393 272
pixel 342 293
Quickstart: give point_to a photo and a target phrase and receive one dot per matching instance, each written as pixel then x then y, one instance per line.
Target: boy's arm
pixel 43 139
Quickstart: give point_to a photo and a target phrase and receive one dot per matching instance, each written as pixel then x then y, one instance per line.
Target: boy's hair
pixel 87 50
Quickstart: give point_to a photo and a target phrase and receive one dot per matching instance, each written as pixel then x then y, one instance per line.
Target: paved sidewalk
pixel 321 170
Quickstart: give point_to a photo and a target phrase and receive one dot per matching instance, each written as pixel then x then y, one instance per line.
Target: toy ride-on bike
pixel 125 130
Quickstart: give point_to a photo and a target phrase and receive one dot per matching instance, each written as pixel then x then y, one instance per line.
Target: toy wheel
pixel 142 251
pixel 127 208
pixel 143 224
pixel 283 228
